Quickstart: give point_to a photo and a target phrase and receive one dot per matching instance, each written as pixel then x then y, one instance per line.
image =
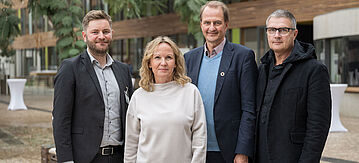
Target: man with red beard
pixel 91 96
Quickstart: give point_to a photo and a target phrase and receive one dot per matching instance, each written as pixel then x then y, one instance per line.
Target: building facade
pixel 36 52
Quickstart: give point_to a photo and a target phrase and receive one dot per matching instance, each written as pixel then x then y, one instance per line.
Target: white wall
pixel 349 105
pixel 339 23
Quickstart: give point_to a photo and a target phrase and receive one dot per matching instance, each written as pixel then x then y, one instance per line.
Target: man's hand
pixel 241 158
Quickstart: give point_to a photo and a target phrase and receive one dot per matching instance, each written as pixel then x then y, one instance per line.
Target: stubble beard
pixel 98 52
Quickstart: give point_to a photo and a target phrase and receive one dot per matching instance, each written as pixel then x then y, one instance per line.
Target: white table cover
pixel 337 95
pixel 16 94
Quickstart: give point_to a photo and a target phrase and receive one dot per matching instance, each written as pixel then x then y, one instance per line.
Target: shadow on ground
pixel 337 160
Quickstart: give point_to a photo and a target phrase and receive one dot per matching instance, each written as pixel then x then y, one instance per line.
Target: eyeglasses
pixel 282 31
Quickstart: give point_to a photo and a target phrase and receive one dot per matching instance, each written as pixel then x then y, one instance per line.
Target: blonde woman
pixel 165 119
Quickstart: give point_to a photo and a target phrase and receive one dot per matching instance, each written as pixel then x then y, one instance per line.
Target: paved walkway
pixel 341 147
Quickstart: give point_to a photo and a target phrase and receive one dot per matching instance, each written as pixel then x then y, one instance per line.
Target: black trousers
pixel 116 157
pixel 214 157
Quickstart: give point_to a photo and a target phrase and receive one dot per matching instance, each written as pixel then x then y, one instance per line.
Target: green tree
pixel 9 28
pixel 135 8
pixel 65 15
pixel 189 11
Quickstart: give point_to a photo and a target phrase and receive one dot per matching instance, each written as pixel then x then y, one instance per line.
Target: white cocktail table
pixel 16 94
pixel 337 95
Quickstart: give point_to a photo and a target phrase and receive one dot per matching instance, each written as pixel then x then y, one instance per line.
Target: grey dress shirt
pixel 111 97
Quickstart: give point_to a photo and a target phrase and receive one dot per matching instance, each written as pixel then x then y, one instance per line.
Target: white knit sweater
pixel 167 125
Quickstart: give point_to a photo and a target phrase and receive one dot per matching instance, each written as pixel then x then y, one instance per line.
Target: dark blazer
pixel 300 112
pixel 234 104
pixel 79 110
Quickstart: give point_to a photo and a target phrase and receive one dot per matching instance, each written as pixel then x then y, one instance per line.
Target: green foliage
pixel 79 33
pixel 189 11
pixel 64 42
pixel 57 18
pixel 63 31
pixel 128 7
pixel 135 8
pixel 9 28
pixel 80 43
pixel 76 10
pixel 66 19
pixel 74 51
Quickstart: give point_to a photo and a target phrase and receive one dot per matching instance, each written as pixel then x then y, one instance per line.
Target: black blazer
pixel 79 110
pixel 234 104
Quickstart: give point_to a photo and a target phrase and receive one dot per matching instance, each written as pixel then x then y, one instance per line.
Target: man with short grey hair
pixel 293 97
pixel 225 74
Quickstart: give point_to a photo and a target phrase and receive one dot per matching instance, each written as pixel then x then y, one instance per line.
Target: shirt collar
pixel 216 50
pixel 93 60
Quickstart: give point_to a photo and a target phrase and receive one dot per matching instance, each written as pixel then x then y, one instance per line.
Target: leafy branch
pixel 135 8
pixel 9 28
pixel 65 16
pixel 189 11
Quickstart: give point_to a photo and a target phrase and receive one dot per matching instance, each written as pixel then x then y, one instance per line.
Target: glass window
pixel 29 64
pixel 38 24
pixel 115 50
pixel 320 50
pixel 255 39
pixel 184 42
pixel 250 38
pixel 336 64
pixel 352 60
pixel 342 56
pixel 52 58
pixel 263 43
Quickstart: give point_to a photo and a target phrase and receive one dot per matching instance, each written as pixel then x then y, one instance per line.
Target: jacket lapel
pixel 85 59
pixel 197 60
pixel 120 76
pixel 227 56
pixel 262 85
pixel 117 71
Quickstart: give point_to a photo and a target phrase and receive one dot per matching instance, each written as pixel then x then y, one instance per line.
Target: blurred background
pixel 36 35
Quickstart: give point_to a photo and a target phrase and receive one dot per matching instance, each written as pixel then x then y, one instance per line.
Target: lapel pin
pixel 222 73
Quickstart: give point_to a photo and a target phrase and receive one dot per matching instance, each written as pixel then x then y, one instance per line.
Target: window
pixel 255 39
pixel 343 59
pixel 250 38
pixel 320 50
pixel 336 62
pixel 352 60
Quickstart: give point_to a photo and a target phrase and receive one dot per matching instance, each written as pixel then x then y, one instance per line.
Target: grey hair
pixel 280 13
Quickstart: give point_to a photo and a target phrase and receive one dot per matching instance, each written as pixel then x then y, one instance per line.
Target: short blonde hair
pixel 147 76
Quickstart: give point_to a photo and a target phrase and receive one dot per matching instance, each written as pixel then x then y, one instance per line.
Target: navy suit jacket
pixel 79 109
pixel 234 103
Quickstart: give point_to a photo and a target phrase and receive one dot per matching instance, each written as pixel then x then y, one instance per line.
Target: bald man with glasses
pixel 293 97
